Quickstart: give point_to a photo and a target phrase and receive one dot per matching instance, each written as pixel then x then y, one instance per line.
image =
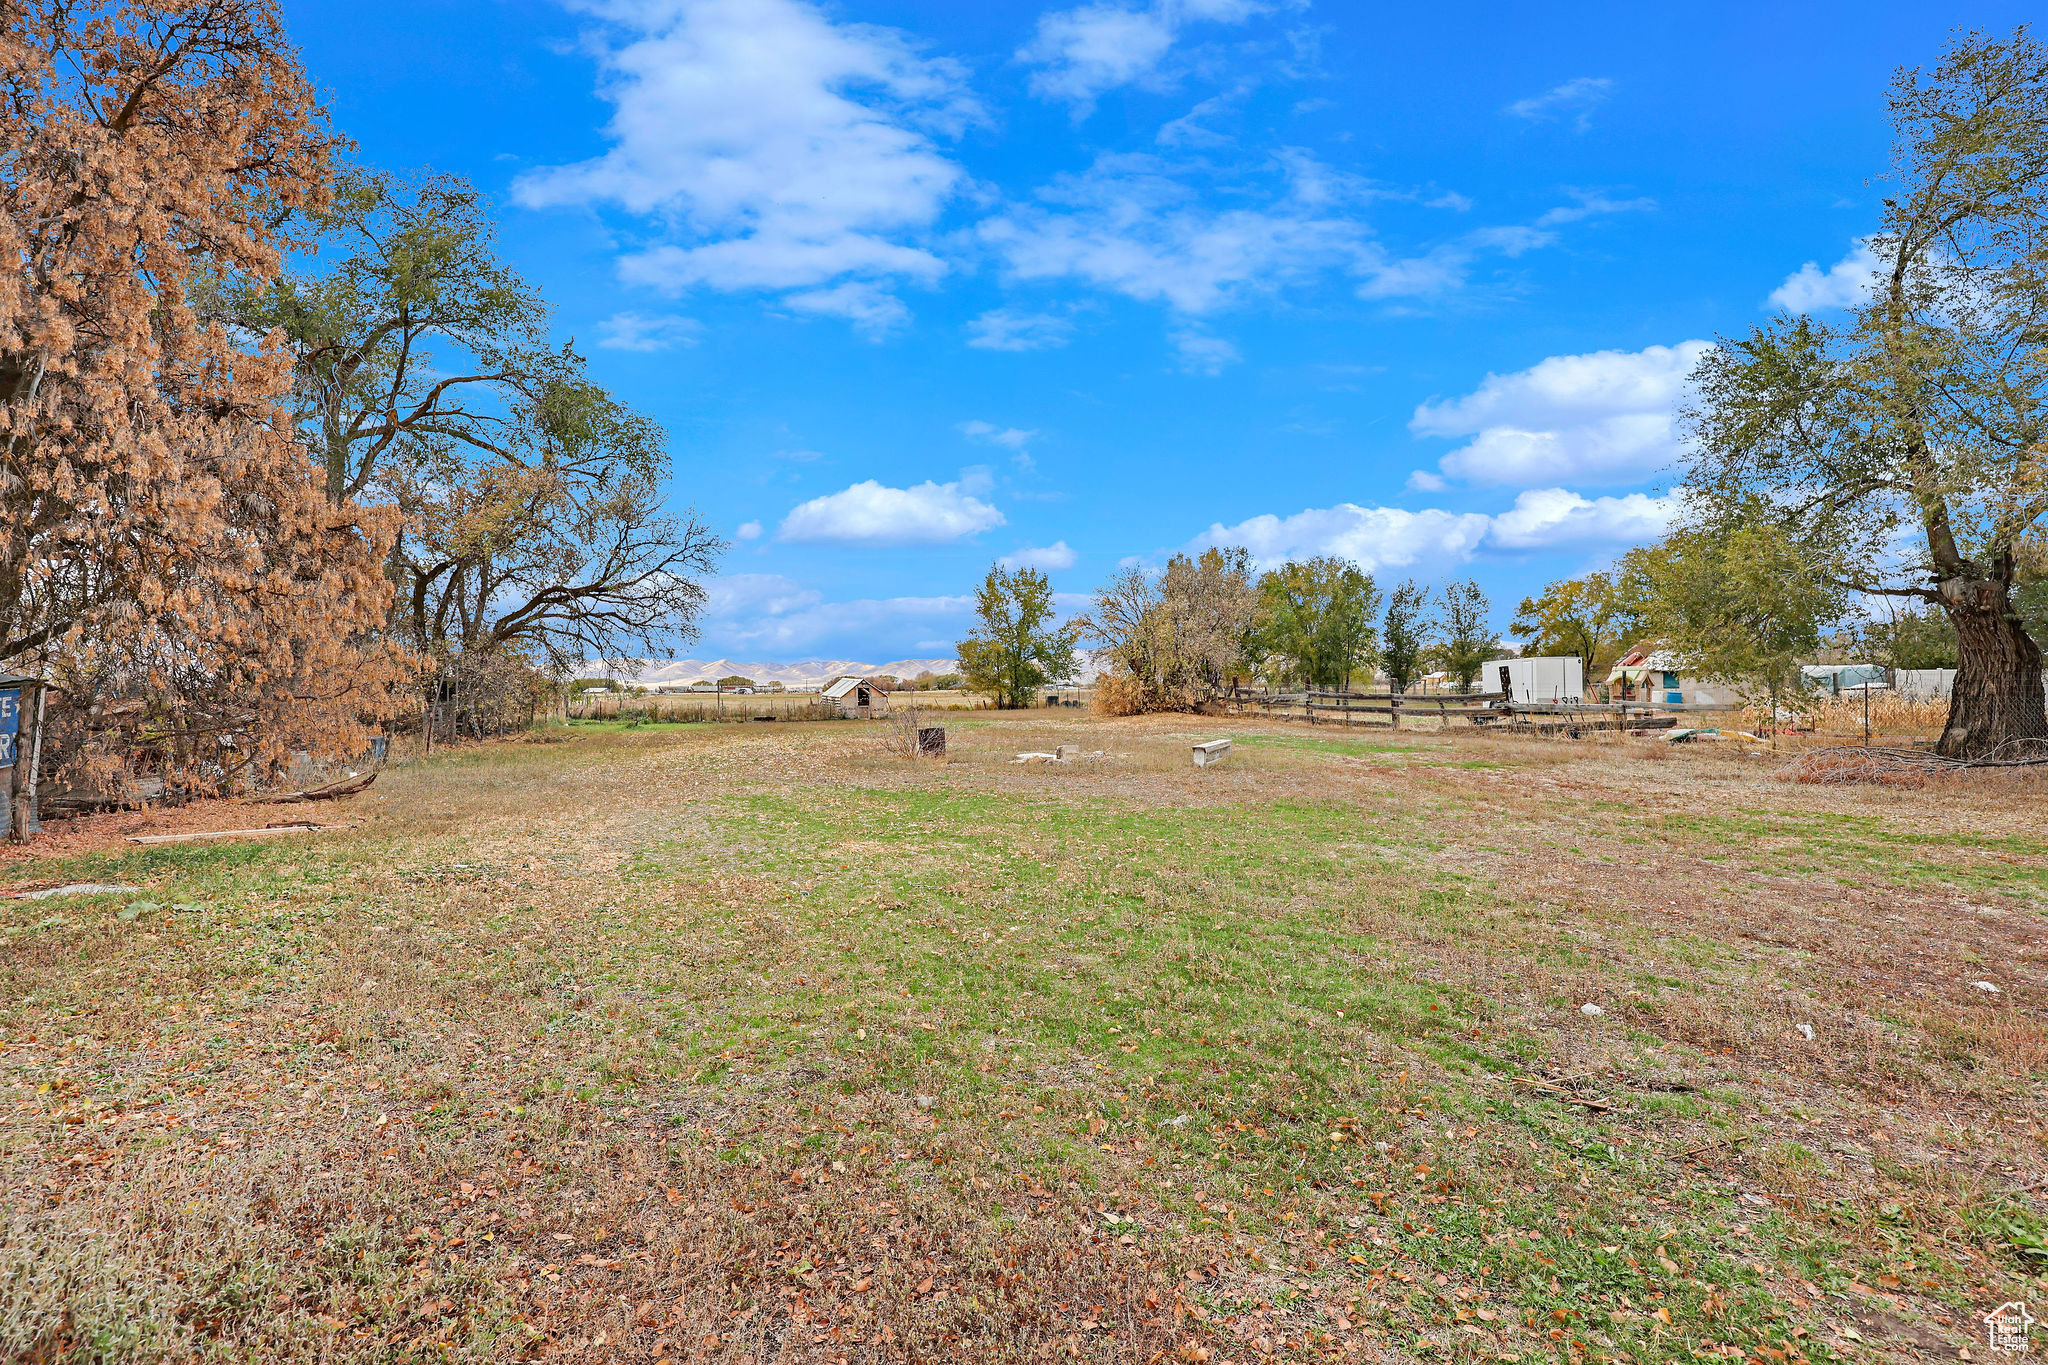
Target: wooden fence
pixel 1475 709
pixel 1332 707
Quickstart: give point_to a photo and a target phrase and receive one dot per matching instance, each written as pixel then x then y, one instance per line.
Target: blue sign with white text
pixel 10 724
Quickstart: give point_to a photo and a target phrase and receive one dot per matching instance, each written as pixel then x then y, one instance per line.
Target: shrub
pixel 1118 694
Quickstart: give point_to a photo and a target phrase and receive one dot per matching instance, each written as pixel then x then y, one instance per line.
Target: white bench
pixel 1215 751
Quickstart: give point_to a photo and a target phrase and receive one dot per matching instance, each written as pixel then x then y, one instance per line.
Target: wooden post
pixel 31 821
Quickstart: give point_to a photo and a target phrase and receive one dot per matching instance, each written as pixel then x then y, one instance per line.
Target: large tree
pixel 1406 634
pixel 407 328
pixel 1317 620
pixel 555 543
pixel 1907 451
pixel 1740 600
pixel 1173 641
pixel 160 537
pixel 1464 619
pixel 423 377
pixel 1585 617
pixel 1015 648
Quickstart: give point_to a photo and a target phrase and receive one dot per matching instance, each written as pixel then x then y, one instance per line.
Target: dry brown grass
pixel 613 1050
pixel 1844 766
pixel 1892 717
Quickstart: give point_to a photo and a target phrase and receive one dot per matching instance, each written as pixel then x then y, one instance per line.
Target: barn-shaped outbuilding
pixel 858 697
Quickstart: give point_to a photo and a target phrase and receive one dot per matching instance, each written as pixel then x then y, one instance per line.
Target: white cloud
pixel 633 332
pixel 1592 203
pixel 1372 537
pixel 1607 417
pixel 755 594
pixel 1439 272
pixel 1057 555
pixel 1001 330
pixel 870 513
pixel 873 311
pixel 1552 519
pixel 1084 52
pixel 1381 538
pixel 1575 99
pixel 1445 269
pixel 1009 438
pixel 749 530
pixel 1130 224
pixel 1203 354
pixel 768 612
pixel 782 151
pixel 1189 131
pixel 1847 283
pixel 1150 229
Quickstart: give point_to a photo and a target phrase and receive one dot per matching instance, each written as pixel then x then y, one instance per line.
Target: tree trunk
pixel 1998 687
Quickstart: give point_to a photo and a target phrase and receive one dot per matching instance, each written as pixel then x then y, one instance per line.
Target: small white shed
pixel 1559 681
pixel 858 697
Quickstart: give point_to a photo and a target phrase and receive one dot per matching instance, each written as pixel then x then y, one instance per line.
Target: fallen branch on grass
pixel 1564 1093
pixel 268 831
pixel 1847 763
pixel 333 791
pixel 1706 1147
pixel 70 889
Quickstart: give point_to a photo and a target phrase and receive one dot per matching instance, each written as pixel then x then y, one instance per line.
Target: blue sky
pixel 920 285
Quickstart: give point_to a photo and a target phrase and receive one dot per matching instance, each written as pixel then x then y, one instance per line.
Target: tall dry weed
pixel 900 733
pixel 1118 694
pixel 1890 714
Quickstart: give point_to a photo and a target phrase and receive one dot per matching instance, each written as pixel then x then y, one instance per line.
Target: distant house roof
pixel 845 686
pixel 1638 664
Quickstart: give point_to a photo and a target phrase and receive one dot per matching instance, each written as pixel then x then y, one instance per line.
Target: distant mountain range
pixel 803 673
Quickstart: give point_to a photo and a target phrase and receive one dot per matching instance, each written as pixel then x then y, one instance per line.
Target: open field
pixel 723 1044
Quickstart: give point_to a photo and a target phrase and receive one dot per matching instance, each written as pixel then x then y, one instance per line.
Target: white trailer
pixel 1530 681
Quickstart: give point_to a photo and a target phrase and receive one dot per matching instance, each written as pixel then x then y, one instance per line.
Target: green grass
pixel 1197 1004
pixel 1861 851
pixel 1280 1034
